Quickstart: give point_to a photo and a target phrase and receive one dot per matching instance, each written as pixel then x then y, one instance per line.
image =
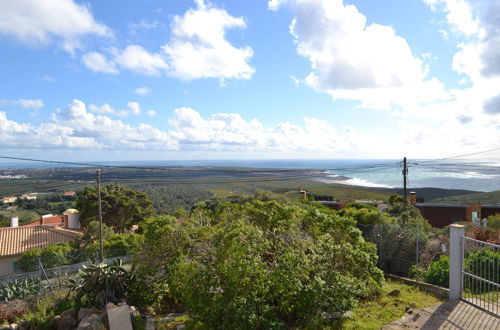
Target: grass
pixel 489 297
pixel 376 313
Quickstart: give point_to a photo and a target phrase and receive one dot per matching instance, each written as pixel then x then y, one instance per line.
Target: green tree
pixel 122 207
pixel 494 222
pixel 260 264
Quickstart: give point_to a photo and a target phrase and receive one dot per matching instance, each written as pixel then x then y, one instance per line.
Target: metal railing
pixel 481 274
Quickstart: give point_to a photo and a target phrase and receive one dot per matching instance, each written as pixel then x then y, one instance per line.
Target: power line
pixel 465 155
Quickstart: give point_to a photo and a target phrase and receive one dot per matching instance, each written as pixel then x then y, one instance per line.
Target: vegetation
pixel 494 222
pixel 122 207
pixel 439 272
pixel 374 313
pixel 102 283
pixel 259 264
pixel 19 289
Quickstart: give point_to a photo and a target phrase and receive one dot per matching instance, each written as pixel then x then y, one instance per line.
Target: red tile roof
pixel 14 241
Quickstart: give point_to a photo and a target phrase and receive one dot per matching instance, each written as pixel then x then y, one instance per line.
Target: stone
pixel 119 317
pixel 24 325
pixel 84 312
pixel 336 315
pixel 412 305
pixel 394 293
pixel 91 322
pixel 70 312
pixel 66 323
pixel 13 326
pixel 181 326
pixel 166 319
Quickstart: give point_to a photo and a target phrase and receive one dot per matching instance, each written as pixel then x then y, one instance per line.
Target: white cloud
pixel 142 90
pixel 199 49
pixel 40 22
pixel 134 108
pixel 352 60
pixel 138 60
pixel 112 133
pixel 151 113
pixel 98 63
pixel 24 103
pixel 459 15
pixel 134 58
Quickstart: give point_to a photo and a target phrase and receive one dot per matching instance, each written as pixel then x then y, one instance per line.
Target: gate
pixel 480 281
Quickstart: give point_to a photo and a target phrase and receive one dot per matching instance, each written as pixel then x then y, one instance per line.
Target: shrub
pixel 12 310
pixel 494 222
pixel 484 263
pixel 438 272
pixel 114 246
pixel 101 283
pixel 50 256
pixel 19 289
pixel 259 264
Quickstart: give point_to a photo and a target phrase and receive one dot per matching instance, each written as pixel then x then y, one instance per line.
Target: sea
pixel 471 174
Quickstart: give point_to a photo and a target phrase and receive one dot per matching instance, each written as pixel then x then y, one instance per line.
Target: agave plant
pixel 19 289
pixel 100 283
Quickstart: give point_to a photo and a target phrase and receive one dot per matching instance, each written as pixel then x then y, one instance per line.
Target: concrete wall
pixel 7 265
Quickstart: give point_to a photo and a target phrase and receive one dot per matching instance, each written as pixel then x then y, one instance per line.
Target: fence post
pixel 456 258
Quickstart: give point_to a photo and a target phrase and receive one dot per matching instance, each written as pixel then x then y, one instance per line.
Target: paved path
pixel 449 315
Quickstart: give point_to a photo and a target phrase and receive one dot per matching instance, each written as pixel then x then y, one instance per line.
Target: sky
pixel 278 79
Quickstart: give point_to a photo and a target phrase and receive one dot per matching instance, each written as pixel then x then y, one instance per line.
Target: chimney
pixel 14 222
pixel 303 194
pixel 413 198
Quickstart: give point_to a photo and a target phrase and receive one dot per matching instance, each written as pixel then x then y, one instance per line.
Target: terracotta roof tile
pixel 17 240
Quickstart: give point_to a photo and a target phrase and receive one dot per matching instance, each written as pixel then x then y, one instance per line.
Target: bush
pixel 101 283
pixel 438 272
pixel 115 245
pixel 484 263
pixel 494 222
pixel 259 264
pixel 50 256
pixel 12 310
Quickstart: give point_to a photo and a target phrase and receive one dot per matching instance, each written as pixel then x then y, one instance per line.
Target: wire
pixel 465 155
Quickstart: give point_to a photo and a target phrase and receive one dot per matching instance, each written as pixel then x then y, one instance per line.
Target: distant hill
pixel 430 195
pixel 484 198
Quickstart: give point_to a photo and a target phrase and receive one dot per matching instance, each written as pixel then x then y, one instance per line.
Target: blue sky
pixel 145 79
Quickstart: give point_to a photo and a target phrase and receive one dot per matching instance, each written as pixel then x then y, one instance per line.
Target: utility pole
pixel 99 210
pixel 405 175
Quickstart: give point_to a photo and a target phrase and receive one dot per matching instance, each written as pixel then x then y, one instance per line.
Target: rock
pixel 13 326
pixel 119 317
pixel 70 312
pixel 84 312
pixel 412 305
pixel 150 323
pixel 394 293
pixel 336 315
pixel 110 305
pixel 91 322
pixel 181 327
pixel 66 323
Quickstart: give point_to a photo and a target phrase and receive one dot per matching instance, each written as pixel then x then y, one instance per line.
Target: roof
pixel 14 241
pixel 52 220
pixel 458 206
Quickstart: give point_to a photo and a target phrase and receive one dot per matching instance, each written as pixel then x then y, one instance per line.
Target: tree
pixel 122 207
pixel 258 265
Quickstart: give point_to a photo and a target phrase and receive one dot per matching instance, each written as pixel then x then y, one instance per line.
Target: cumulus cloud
pixel 112 133
pixel 99 63
pixel 134 58
pixel 459 15
pixel 199 48
pixel 24 103
pixel 40 22
pixel 142 90
pixel 351 59
pixel 151 113
pixel 134 108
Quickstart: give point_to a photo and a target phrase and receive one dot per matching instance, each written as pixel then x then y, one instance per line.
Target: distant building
pixel 69 194
pixel 487 210
pixel 16 241
pixel 10 199
pixel 28 196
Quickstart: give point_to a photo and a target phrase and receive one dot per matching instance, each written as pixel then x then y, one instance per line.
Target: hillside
pixel 485 198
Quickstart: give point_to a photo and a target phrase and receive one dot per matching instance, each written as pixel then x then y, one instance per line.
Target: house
pixel 28 196
pixel 10 199
pixel 14 241
pixel 487 210
pixel 442 215
pixel 69 194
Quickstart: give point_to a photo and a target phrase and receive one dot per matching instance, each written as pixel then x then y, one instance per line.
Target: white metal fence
pixel 474 271
pixel 481 274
